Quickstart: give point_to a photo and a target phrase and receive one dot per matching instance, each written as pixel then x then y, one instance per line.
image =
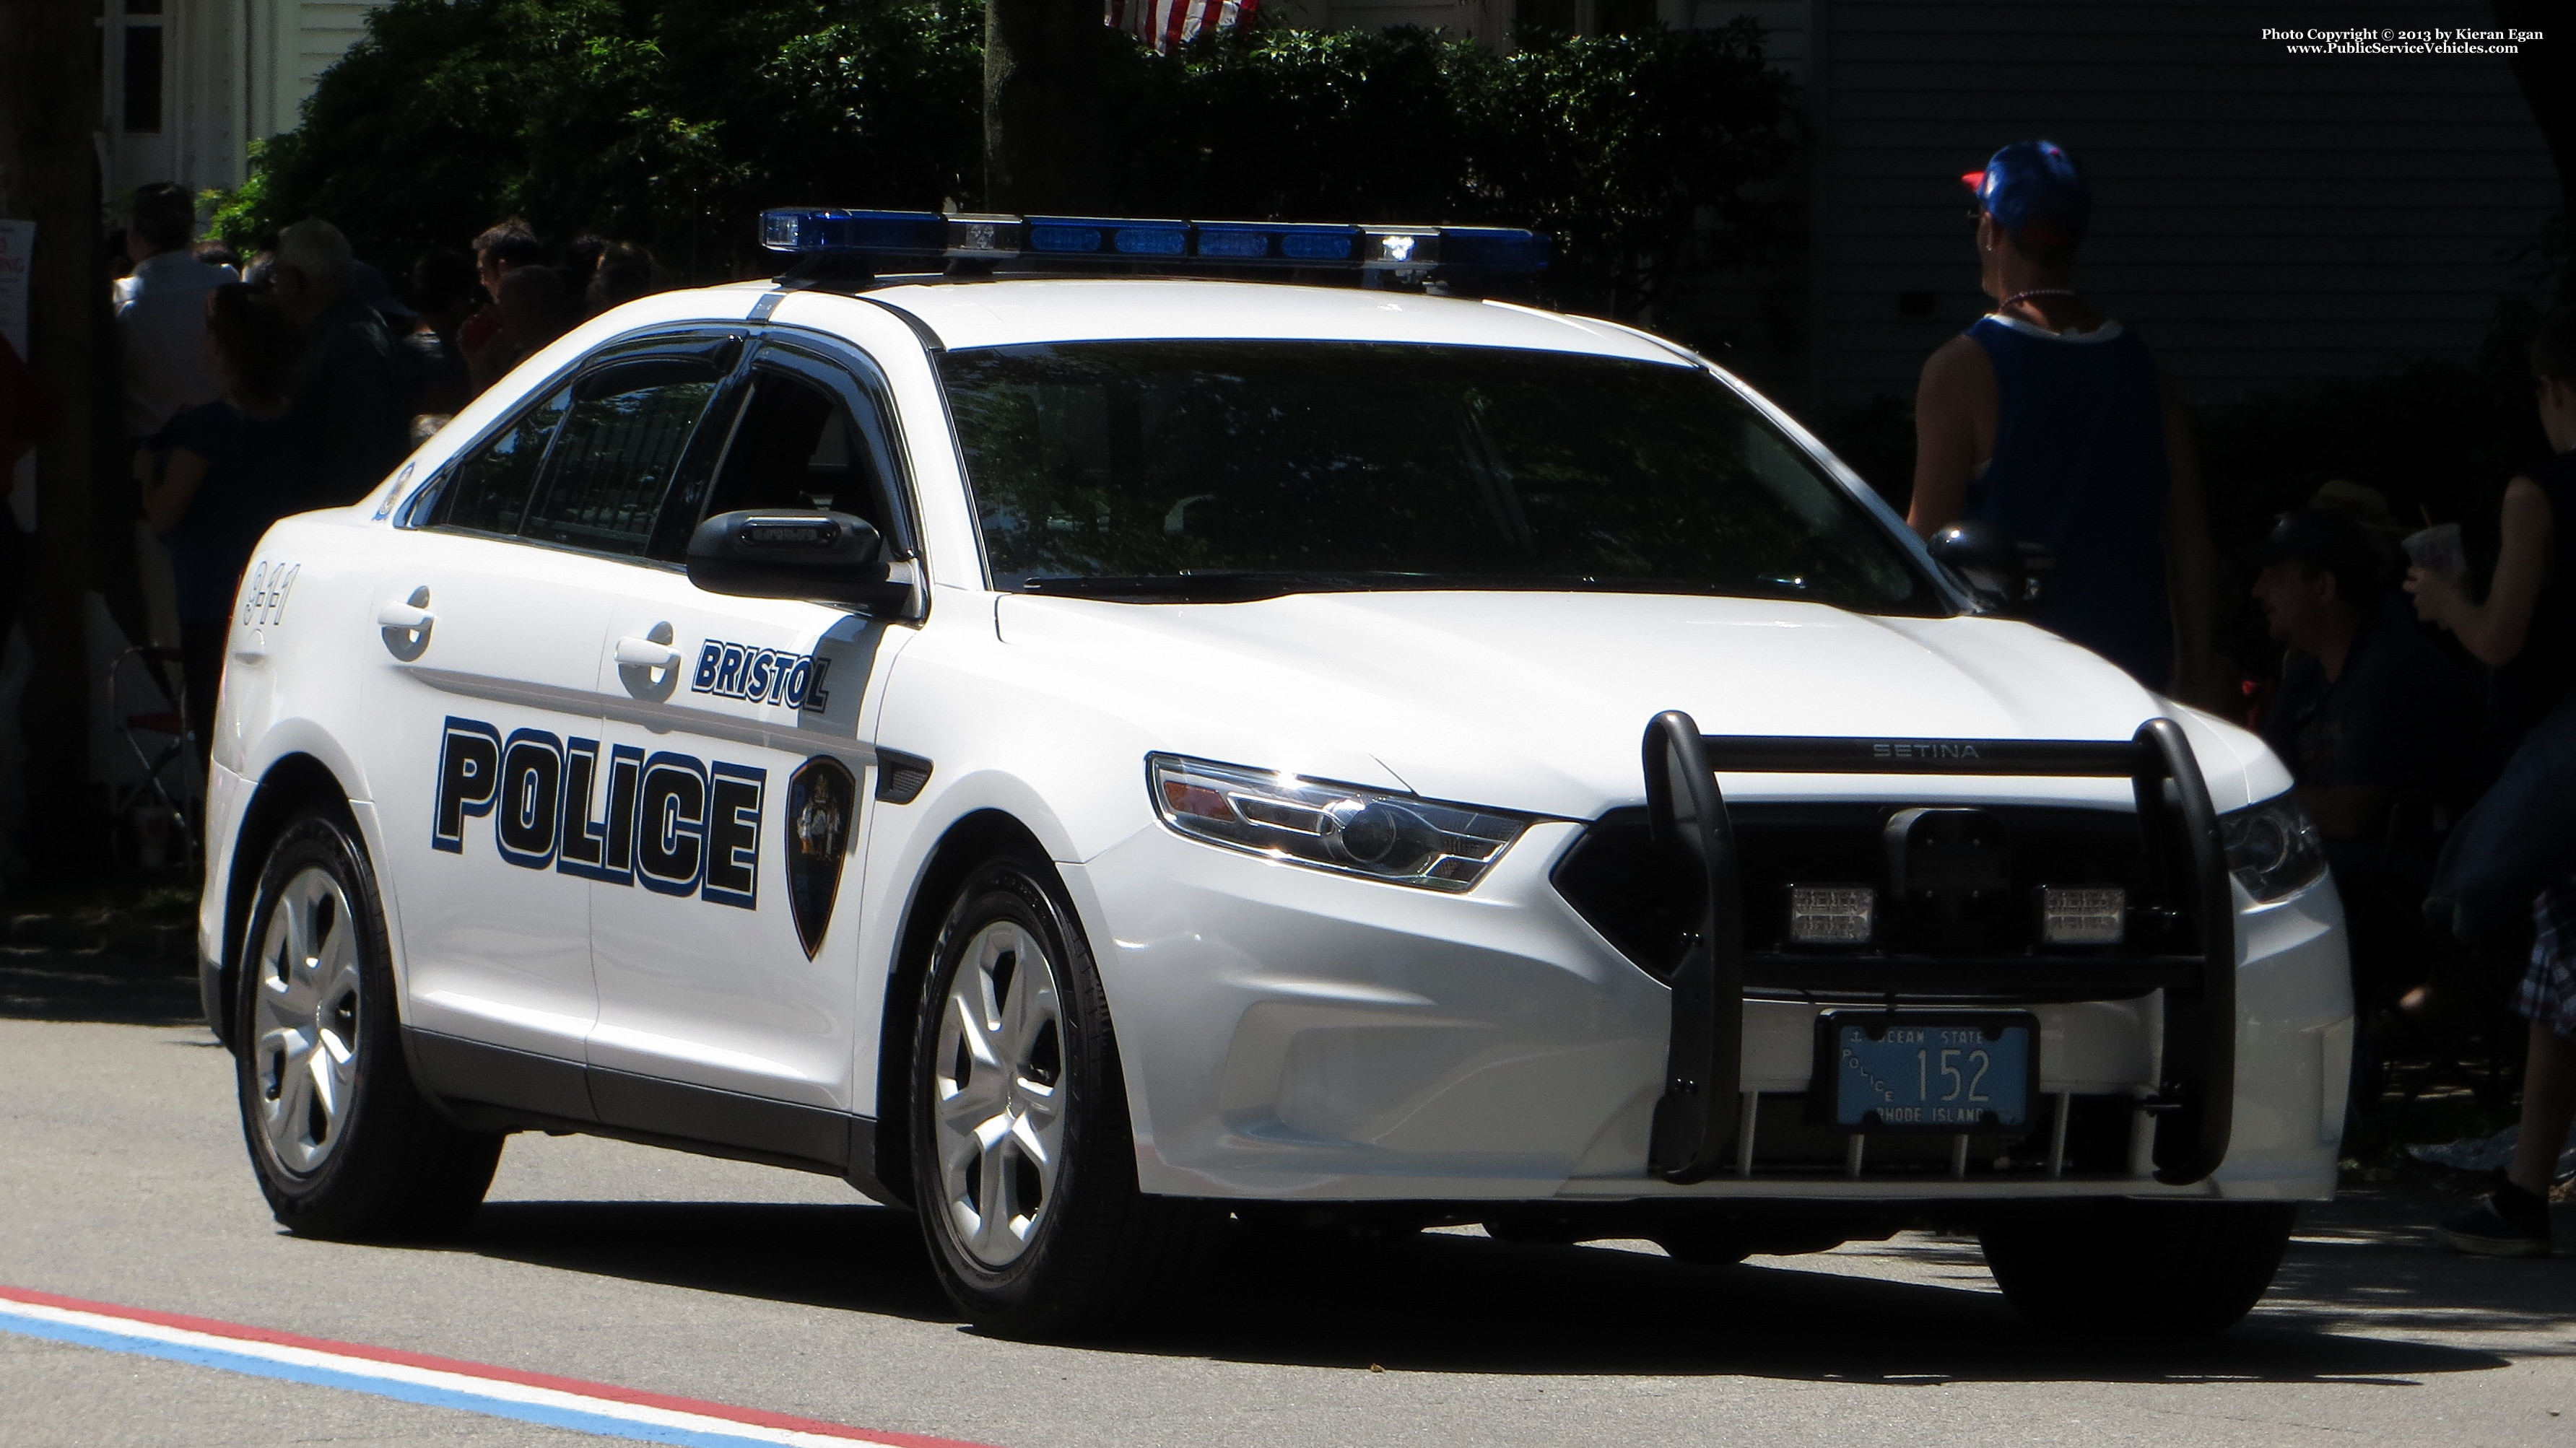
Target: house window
pixel 1623 17
pixel 1537 19
pixel 142 67
pixel 1533 19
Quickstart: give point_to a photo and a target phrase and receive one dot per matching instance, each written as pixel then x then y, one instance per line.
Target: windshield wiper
pixel 1244 585
pixel 1219 586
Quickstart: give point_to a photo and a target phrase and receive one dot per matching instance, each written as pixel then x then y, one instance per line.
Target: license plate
pixel 1928 1072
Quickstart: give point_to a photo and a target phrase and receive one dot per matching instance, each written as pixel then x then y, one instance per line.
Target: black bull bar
pixel 1699 1114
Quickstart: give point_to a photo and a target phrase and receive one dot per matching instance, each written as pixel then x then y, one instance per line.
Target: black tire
pixel 2161 1268
pixel 1096 1252
pixel 388 1166
pixel 1535 1228
pixel 1703 1245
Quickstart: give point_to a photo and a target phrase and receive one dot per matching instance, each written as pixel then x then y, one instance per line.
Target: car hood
pixel 1538 701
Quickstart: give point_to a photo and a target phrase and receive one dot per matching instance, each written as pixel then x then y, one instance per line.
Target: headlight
pixel 1392 837
pixel 2273 847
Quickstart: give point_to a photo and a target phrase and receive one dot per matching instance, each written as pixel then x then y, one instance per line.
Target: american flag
pixel 1163 24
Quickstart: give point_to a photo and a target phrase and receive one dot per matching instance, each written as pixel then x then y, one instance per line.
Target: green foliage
pixel 1643 154
pixel 668 122
pixel 672 122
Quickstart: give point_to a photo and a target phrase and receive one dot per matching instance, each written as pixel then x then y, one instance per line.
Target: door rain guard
pixel 1696 1121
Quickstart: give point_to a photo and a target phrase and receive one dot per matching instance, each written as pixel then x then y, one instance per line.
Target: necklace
pixel 2036 292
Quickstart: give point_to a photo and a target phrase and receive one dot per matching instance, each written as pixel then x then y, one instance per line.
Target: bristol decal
pixel 764 676
pixel 673 823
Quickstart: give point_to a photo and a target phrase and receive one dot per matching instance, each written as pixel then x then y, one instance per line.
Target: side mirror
pixel 2005 575
pixel 781 553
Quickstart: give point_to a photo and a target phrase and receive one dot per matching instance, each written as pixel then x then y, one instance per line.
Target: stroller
pixel 157 812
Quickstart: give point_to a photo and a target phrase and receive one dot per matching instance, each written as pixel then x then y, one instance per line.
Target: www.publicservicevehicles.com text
pixel 2384 41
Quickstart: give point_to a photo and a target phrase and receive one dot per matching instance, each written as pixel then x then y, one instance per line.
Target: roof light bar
pixel 927 236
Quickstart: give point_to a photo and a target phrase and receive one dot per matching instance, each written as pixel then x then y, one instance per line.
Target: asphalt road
pixel 122 1180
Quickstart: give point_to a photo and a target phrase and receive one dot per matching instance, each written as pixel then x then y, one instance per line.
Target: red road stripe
pixel 214 1328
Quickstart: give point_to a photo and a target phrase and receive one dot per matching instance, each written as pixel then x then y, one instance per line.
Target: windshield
pixel 1236 469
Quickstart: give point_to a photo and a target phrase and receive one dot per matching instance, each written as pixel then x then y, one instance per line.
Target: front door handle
pixel 405 625
pixel 648 664
pixel 635 653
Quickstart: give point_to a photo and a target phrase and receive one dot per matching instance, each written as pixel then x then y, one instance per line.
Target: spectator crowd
pixel 2433 748
pixel 297 378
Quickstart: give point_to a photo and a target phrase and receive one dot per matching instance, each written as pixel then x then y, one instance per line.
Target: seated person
pixel 2369 709
pixel 2370 714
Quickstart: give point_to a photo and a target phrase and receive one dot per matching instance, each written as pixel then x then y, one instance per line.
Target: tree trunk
pixel 49 103
pixel 1043 126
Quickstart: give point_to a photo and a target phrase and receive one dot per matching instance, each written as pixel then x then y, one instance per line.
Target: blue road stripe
pixel 598 1424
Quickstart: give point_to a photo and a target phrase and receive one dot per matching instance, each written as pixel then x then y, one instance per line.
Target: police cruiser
pixel 1087 751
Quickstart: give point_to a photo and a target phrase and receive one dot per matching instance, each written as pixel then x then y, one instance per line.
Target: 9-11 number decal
pixel 670 822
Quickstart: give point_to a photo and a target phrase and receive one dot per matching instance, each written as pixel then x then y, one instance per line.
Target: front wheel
pixel 343 1142
pixel 1023 1154
pixel 2171 1268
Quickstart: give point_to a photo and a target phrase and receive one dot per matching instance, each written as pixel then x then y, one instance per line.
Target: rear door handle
pixel 404 616
pixel 635 653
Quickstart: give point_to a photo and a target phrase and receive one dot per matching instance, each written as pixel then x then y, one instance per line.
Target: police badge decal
pixel 822 800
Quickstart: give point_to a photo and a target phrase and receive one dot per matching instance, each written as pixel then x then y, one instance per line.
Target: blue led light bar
pixel 887 233
pixel 1286 243
pixel 926 236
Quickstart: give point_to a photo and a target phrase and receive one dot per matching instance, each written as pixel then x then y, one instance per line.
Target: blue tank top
pixel 2079 468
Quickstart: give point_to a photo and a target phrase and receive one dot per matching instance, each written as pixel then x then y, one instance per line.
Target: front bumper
pixel 1293 1035
pixel 227 799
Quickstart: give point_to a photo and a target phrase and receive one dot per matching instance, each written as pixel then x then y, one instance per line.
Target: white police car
pixel 1083 757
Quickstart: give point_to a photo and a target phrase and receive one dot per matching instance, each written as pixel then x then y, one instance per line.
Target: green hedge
pixel 669 123
pixel 672 122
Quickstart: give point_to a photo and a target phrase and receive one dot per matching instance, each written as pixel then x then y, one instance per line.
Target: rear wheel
pixel 344 1144
pixel 1023 1153
pixel 2149 1267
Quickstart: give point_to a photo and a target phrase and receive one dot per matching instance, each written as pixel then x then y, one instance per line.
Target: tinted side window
pixel 489 492
pixel 796 448
pixel 627 430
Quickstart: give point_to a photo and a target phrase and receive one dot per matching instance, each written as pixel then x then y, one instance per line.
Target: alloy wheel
pixel 998 1088
pixel 304 1027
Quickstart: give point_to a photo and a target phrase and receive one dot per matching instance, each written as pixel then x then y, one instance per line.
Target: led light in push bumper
pixel 2082 914
pixel 1832 914
pixel 1396 838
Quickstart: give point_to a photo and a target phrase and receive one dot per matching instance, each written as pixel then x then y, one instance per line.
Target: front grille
pixel 1637 897
pixel 1789 1141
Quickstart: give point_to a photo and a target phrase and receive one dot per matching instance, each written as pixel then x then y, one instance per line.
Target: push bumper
pixel 1293 1035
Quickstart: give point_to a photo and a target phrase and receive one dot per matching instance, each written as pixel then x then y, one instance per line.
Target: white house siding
pixel 329 28
pixel 199 141
pixel 2261 217
pixel 297 41
pixel 233 71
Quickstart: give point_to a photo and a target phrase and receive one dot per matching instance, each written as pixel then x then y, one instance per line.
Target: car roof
pixel 1006 312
